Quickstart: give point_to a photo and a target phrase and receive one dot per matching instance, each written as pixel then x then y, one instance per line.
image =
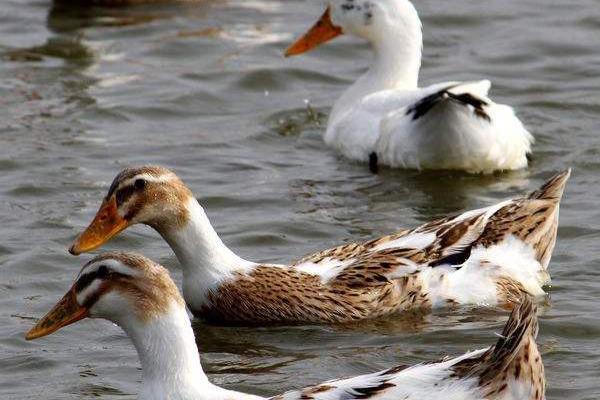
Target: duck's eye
pixel 139 184
pixel 102 272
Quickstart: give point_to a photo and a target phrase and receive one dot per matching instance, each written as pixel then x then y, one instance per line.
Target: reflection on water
pixel 204 89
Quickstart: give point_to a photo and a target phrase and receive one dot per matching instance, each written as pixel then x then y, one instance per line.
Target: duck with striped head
pixel 139 296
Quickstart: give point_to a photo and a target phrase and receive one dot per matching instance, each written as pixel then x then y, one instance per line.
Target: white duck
pixel 385 118
pixel 140 297
pixel 485 257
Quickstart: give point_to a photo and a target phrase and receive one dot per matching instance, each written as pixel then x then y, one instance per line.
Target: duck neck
pixel 169 357
pixel 397 54
pixel 205 259
pixel 197 245
pixel 397 61
pixel 168 354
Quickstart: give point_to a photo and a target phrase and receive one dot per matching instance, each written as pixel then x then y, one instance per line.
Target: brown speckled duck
pixel 485 257
pixel 140 297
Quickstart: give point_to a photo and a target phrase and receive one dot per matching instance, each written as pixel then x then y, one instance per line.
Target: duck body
pixel 451 125
pixel 140 297
pixel 485 257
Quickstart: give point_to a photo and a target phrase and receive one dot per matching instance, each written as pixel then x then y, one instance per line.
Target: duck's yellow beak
pixel 65 312
pixel 106 224
pixel 321 32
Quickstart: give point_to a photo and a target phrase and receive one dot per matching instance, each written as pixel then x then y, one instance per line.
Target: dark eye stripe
pixel 84 281
pixel 121 177
pixel 102 273
pixel 124 194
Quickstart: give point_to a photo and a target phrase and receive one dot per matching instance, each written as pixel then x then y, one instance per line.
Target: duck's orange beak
pixel 106 224
pixel 65 312
pixel 321 32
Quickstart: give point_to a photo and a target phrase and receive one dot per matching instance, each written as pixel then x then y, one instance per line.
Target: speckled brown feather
pixel 351 250
pixel 514 357
pixel 533 219
pixel 272 295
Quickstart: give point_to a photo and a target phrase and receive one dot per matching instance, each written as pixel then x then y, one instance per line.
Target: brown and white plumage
pixel 140 297
pixel 483 257
pixel 510 370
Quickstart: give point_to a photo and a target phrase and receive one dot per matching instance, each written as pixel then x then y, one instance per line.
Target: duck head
pixel 120 287
pixel 373 20
pixel 149 195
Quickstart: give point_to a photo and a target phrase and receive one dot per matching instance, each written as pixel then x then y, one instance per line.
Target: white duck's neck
pixel 205 259
pixel 169 357
pixel 397 60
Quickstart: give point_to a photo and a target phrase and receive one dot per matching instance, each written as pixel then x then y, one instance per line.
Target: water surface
pixel 203 88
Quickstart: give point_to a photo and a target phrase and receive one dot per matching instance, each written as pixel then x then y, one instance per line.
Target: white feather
pixel 475 281
pixel 148 178
pixel 417 241
pixel 326 269
pixel 88 291
pixel 517 391
pixel 168 354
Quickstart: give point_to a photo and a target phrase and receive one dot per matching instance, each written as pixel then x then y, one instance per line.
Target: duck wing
pixel 453 126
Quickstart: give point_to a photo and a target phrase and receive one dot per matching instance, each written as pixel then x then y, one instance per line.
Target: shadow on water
pixel 430 194
pixel 290 339
pixel 394 195
pixel 67 43
pixel 68 20
pixel 438 193
pixel 66 17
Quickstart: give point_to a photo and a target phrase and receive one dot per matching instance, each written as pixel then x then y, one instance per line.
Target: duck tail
pixel 513 364
pixel 515 358
pixel 456 94
pixel 520 329
pixel 536 216
pixel 544 204
pixel 553 189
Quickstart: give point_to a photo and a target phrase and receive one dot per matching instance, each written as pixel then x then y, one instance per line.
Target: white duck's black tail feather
pixel 374 163
pixel 426 104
